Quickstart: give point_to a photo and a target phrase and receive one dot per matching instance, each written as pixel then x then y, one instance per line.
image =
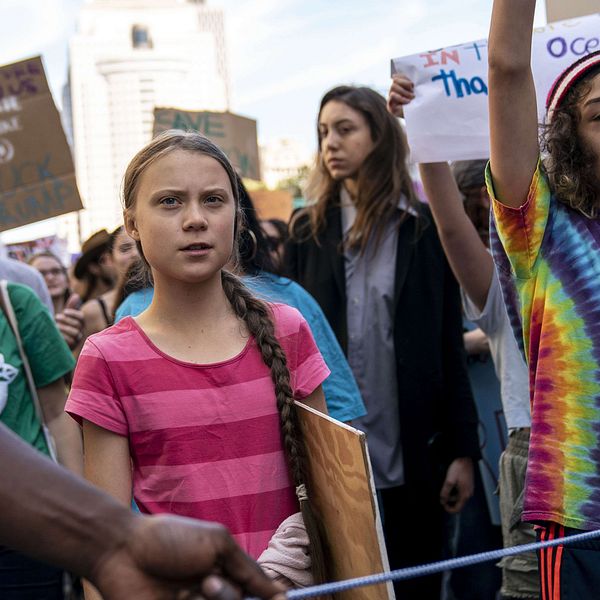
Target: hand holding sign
pixel 401 93
pixel 448 119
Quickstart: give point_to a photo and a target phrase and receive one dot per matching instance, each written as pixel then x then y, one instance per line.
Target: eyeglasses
pixel 55 272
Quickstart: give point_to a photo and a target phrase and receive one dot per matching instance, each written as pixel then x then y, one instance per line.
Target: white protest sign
pixel 448 119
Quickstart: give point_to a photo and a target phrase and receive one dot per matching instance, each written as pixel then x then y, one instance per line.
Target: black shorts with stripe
pixel 568 572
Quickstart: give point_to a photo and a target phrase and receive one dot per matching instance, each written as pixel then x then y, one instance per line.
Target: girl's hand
pixel 401 93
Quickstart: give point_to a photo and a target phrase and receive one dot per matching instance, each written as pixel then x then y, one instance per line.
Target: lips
pixel 197 250
pixel 196 247
pixel 334 162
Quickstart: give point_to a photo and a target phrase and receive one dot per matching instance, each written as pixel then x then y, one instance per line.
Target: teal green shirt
pixel 49 358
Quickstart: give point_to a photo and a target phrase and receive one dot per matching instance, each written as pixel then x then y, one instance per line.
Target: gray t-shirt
pixel 370 297
pixel 508 360
pixel 18 272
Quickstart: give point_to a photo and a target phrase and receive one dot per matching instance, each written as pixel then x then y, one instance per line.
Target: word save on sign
pixel 448 119
pixel 37 179
pixel 235 135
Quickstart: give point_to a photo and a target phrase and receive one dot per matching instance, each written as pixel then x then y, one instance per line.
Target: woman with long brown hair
pixel 367 251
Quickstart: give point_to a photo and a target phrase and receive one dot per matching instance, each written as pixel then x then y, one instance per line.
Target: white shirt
pixel 508 360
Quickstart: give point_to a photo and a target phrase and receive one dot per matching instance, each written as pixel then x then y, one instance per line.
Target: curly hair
pixel 571 165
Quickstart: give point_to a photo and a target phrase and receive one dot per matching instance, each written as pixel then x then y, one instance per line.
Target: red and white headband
pixel 567 79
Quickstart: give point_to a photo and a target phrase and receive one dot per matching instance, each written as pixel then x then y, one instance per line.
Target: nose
pixel 329 141
pixel 194 217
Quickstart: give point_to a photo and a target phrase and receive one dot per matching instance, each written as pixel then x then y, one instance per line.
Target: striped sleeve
pixel 521 230
pixel 307 368
pixel 93 395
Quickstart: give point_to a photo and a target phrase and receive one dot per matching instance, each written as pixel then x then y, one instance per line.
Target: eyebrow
pixel 180 192
pixel 337 123
pixel 592 101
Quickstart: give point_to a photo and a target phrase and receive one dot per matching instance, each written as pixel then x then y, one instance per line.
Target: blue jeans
pixel 22 578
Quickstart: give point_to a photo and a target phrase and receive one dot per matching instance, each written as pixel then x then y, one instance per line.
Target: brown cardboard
pixel 343 493
pixel 235 135
pixel 272 204
pixel 37 177
pixel 559 10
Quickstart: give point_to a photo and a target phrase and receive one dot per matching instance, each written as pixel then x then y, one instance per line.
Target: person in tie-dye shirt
pixel 546 243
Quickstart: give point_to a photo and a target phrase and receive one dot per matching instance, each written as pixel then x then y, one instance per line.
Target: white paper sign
pixel 448 119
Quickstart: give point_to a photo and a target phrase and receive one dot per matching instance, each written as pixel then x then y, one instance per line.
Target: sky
pixel 283 54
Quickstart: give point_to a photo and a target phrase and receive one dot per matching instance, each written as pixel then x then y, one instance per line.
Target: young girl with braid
pixel 191 404
pixel 546 218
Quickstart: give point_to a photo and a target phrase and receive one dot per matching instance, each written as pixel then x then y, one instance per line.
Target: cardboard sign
pixel 343 493
pixel 273 204
pixel 37 179
pixel 448 119
pixel 24 250
pixel 235 135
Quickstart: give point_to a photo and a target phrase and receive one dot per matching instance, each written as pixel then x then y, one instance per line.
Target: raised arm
pixel 514 147
pixel 471 263
pixel 469 259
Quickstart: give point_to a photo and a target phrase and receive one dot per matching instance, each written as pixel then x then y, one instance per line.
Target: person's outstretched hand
pixel 402 91
pixel 169 557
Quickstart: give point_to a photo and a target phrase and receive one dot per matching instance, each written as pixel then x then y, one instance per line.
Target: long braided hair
pixel 257 317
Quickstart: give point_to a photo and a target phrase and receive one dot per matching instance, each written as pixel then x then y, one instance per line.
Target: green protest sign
pixel 235 135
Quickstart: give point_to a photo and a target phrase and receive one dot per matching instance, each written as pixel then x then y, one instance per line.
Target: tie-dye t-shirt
pixel 553 254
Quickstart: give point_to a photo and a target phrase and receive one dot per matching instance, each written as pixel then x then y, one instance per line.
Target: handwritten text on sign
pixel 37 179
pixel 448 120
pixel 235 135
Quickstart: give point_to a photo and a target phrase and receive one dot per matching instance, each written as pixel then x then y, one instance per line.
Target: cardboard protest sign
pixel 24 250
pixel 37 179
pixel 343 493
pixel 235 135
pixel 448 119
pixel 273 204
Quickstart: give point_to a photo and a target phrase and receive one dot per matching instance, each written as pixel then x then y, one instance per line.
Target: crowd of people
pixel 184 337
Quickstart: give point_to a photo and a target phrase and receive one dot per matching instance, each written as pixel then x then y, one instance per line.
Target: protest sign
pixel 448 119
pixel 343 493
pixel 272 204
pixel 23 251
pixel 235 135
pixel 37 178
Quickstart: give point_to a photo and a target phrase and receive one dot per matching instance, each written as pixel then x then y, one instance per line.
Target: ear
pixel 105 259
pixel 131 224
pixel 95 268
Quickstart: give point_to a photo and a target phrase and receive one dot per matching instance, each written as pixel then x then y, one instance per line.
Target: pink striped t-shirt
pixel 204 439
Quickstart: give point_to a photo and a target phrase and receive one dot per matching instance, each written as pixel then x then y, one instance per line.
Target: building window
pixel 140 37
